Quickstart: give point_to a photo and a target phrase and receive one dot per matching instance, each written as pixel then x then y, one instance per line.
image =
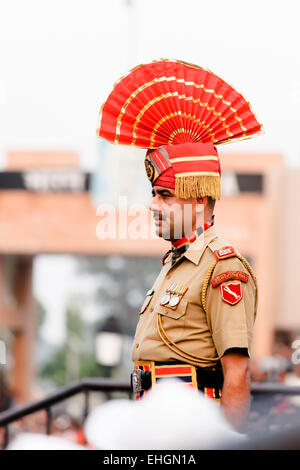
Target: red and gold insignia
pixel 149 170
pixel 240 275
pixel 182 111
pixel 170 102
pixel 225 252
pixel 231 293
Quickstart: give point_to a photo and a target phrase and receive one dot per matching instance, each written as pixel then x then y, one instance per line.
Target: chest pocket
pixel 169 312
pixel 146 303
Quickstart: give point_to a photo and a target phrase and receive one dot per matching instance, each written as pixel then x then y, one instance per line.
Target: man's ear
pixel 203 201
pixel 199 206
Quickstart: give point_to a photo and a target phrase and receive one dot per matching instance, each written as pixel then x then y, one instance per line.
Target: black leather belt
pixel 212 377
pixel 209 377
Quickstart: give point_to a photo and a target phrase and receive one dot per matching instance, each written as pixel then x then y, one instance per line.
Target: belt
pixel 149 373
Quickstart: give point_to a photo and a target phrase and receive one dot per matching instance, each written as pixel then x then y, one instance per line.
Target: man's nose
pixel 155 203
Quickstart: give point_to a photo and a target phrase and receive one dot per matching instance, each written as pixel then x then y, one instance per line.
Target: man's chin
pixel 163 234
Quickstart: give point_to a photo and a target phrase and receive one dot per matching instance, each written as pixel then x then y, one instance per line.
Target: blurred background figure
pixel 276 411
pixel 274 368
pixel 171 416
pixel 31 441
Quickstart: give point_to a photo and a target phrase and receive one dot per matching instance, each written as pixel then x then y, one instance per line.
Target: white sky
pixel 60 58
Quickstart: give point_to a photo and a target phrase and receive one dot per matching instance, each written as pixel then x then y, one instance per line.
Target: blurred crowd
pixel 198 423
pixel 276 411
pixel 268 412
pixel 62 426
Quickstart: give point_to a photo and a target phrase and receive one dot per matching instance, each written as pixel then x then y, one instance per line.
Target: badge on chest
pixel 173 295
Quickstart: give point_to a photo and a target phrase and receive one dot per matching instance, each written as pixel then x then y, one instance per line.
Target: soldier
pixel 196 322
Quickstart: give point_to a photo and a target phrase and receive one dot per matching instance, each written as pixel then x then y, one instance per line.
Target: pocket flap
pixel 169 312
pixel 146 303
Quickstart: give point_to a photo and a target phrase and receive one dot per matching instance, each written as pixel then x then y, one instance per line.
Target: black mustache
pixel 157 216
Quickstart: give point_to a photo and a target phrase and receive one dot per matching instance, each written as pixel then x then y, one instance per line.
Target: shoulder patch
pixel 225 252
pixel 231 293
pixel 229 275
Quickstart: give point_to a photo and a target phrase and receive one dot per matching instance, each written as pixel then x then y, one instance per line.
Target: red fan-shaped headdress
pixel 179 112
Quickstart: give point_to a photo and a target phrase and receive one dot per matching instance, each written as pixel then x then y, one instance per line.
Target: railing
pixel 269 388
pixel 88 385
pixel 85 386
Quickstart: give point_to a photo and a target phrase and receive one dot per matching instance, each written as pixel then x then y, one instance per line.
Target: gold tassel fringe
pixel 197 186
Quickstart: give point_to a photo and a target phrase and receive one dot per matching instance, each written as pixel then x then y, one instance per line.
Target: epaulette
pixel 225 252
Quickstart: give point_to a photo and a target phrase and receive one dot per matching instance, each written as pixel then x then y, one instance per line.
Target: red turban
pixel 179 111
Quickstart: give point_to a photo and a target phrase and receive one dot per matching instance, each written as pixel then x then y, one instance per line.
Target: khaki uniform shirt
pixel 206 334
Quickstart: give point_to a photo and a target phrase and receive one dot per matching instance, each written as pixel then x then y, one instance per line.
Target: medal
pixel 166 297
pixel 174 300
pixel 173 295
pixel 177 296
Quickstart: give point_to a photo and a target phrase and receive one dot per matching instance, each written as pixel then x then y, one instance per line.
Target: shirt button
pixel 137 345
pixel 151 309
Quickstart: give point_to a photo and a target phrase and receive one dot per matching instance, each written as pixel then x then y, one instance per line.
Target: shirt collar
pixel 196 249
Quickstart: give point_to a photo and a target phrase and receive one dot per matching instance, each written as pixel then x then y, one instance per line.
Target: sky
pixel 60 58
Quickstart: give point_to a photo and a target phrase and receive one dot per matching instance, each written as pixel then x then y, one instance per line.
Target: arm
pixel 236 389
pixel 231 324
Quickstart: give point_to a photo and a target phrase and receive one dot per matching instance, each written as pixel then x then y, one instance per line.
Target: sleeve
pixel 231 307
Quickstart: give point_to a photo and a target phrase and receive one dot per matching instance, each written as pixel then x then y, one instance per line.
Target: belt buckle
pixel 136 381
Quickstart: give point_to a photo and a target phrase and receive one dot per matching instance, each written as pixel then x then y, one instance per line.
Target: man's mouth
pixel 159 220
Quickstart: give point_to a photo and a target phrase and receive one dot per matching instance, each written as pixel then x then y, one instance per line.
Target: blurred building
pixel 251 217
pixel 46 207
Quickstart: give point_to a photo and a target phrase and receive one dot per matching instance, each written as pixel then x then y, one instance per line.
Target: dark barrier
pixel 262 394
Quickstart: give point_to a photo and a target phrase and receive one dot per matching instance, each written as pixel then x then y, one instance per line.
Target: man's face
pixel 174 217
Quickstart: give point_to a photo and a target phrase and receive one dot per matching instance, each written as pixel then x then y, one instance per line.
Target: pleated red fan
pixel 173 102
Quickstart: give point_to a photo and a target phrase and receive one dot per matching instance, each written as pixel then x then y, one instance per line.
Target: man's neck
pixel 192 236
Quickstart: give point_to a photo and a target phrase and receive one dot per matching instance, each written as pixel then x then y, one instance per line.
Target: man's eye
pixel 164 195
